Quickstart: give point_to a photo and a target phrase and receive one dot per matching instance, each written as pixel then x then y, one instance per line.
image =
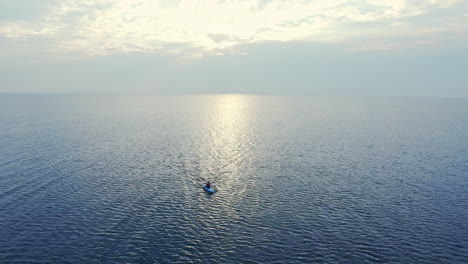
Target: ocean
pixel 118 179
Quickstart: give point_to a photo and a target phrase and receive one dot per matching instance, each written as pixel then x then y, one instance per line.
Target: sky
pixel 308 47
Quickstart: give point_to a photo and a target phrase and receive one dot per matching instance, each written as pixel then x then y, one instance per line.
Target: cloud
pixel 101 27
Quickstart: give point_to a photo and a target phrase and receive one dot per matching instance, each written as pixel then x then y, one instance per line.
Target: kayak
pixel 208 190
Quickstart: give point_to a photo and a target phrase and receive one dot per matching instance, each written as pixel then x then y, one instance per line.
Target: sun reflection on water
pixel 225 149
pixel 226 157
pixel 229 133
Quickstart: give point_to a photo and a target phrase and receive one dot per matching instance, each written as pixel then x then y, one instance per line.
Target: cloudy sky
pixel 316 47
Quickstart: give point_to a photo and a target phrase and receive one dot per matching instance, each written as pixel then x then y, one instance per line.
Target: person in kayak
pixel 208 185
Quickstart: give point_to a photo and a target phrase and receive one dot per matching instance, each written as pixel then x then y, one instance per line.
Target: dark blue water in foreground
pixel 117 179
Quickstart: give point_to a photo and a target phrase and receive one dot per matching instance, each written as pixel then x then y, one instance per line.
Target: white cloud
pixel 26 31
pixel 100 27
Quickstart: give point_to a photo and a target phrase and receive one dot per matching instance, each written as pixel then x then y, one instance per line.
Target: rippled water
pixel 117 179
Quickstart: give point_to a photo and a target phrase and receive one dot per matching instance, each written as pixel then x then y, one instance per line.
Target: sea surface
pixel 118 179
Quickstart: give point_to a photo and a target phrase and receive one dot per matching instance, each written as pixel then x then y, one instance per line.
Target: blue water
pixel 117 179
